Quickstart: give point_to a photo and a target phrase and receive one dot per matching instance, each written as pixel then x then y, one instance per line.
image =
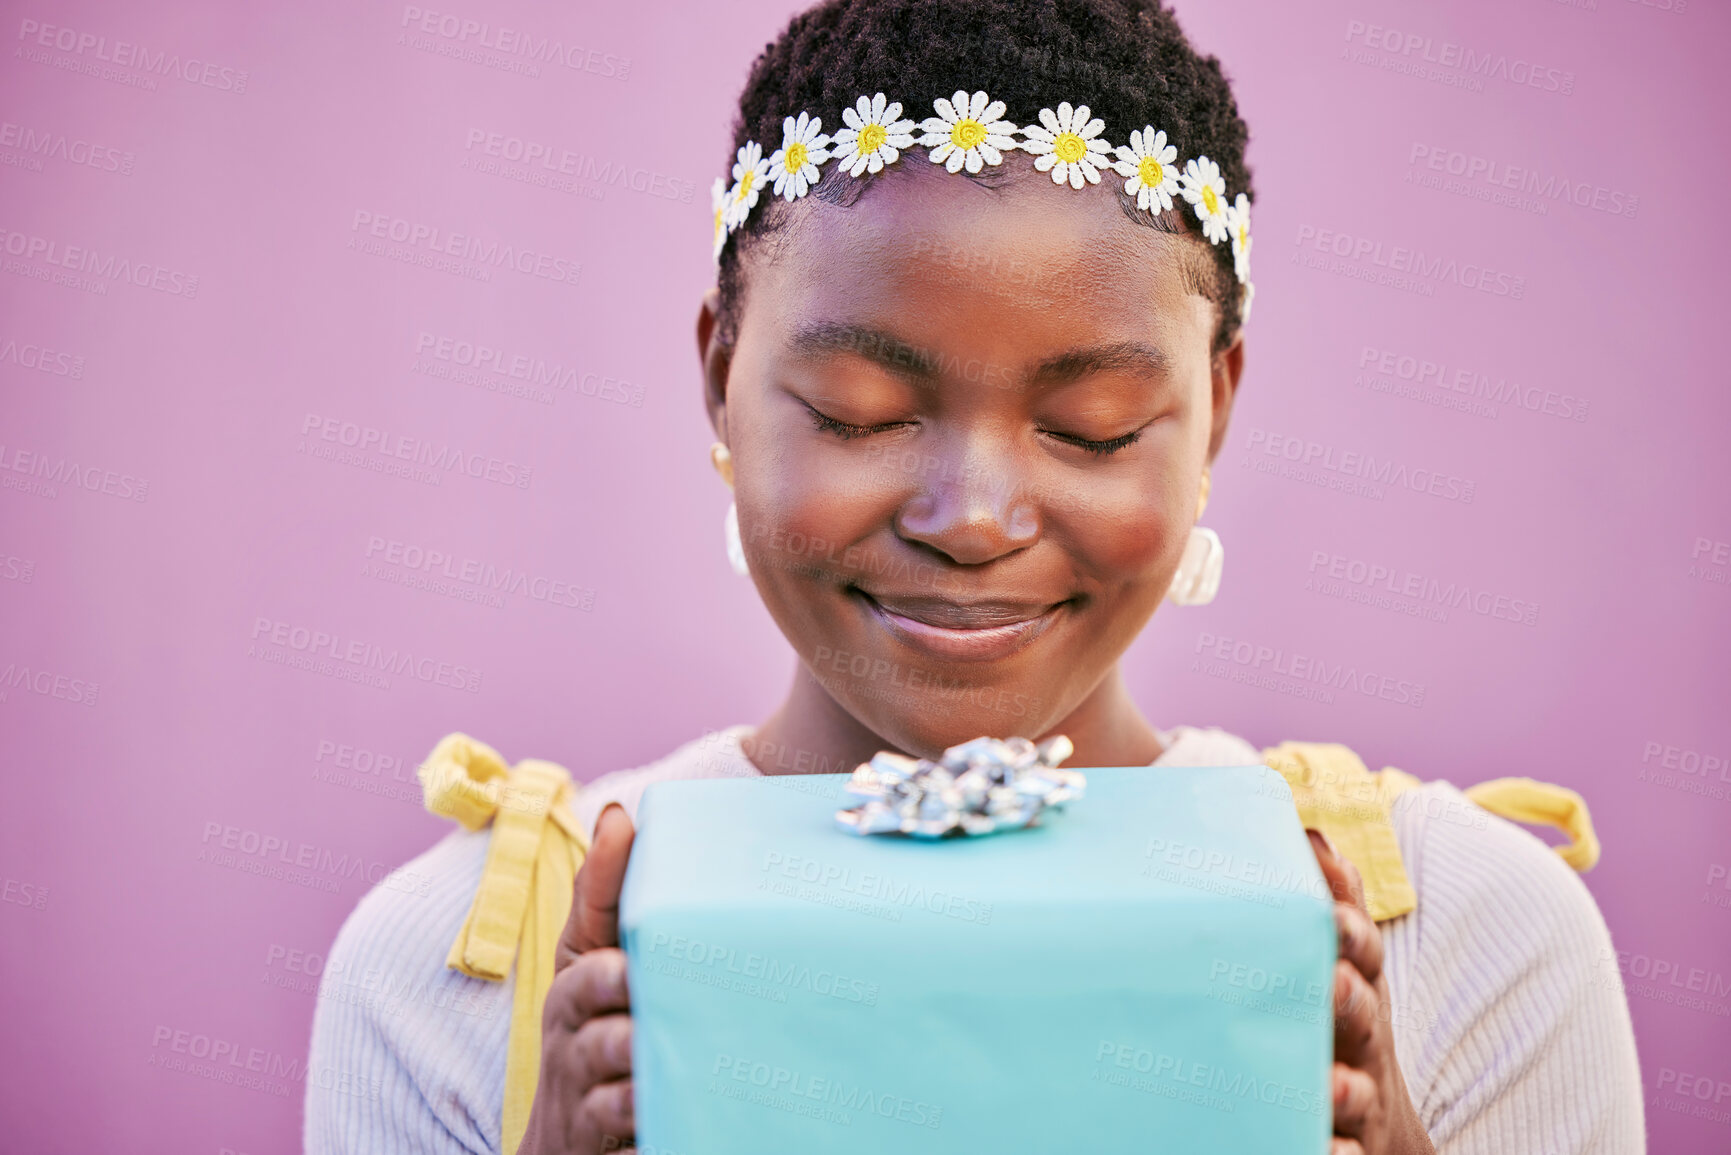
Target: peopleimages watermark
pixel 1390 587
pixel 47 684
pixel 90 270
pixel 1204 1084
pixel 1687 770
pixel 89 53
pixel 1517 186
pixel 434 247
pixel 31 896
pixel 888 895
pixel 1689 1093
pixel 1447 62
pixel 1261 662
pixel 534 155
pixel 467 578
pixel 1689 988
pixel 530 377
pixel 1463 388
pixel 1347 470
pixel 40 475
pixel 1219 872
pixel 826 1099
pixel 1710 561
pixel 755 973
pixel 413 457
pixel 1402 267
pixel 42 358
pixel 40 144
pixel 866 673
pixel 303 863
pixel 482 42
pixel 362 660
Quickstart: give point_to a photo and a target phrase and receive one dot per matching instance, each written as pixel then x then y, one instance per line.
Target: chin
pixel 926 722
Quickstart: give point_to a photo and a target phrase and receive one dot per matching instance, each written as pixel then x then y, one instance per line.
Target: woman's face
pixel 968 429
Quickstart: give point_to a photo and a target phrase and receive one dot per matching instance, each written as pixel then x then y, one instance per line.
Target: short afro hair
pixel 1127 60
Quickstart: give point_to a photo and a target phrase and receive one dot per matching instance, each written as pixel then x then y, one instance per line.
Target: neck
pixel 810 733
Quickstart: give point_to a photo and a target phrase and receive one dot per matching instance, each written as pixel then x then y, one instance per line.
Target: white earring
pixel 735 548
pixel 1198 576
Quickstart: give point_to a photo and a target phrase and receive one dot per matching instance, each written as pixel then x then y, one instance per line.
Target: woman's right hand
pixel 583 1097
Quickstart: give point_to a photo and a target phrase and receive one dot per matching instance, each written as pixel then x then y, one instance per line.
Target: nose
pixel 973 508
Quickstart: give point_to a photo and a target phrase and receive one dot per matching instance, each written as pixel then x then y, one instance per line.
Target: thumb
pixel 1341 875
pixel 594 919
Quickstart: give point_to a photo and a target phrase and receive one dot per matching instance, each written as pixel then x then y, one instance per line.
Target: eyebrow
pixel 1078 363
pixel 826 338
pixel 893 353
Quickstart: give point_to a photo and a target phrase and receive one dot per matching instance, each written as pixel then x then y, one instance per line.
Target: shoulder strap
pixel 1543 804
pixel 524 896
pixel 1336 794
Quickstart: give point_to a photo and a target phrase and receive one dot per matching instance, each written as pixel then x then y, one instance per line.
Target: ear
pixel 716 359
pixel 1227 368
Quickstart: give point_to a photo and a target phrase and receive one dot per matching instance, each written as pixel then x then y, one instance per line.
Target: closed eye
pixel 843 429
pixel 1098 448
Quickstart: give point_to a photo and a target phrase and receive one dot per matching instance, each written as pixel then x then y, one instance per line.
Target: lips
pixel 976 631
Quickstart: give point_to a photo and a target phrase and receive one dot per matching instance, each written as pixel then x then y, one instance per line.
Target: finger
pixel 594 919
pixel 1342 876
pixel 1345 1147
pixel 1354 1096
pixel 607 1108
pixel 595 985
pixel 1360 941
pixel 1356 1007
pixel 603 1048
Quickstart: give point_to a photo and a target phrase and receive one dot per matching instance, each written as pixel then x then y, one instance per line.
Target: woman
pixel 968 360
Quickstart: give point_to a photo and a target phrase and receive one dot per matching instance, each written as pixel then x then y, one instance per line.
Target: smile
pixel 961 631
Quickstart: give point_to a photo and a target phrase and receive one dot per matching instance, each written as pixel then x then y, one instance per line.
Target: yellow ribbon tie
pixel 524 896
pixel 1544 804
pixel 1337 794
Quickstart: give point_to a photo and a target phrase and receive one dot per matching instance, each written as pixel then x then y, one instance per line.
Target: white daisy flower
pixel 749 174
pixel 1069 146
pixel 968 131
pixel 1205 189
pixel 793 167
pixel 1244 306
pixel 1151 166
pixel 1238 222
pixel 874 135
pixel 718 204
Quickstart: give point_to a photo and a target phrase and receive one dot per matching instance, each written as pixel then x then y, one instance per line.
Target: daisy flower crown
pixel 970 132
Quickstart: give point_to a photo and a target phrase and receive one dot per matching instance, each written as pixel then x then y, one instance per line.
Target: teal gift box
pixel 1149 968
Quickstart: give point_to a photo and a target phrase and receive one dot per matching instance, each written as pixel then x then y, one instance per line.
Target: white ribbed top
pixel 1511 1026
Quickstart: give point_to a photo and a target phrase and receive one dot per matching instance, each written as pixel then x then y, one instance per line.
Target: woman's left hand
pixel 1373 1114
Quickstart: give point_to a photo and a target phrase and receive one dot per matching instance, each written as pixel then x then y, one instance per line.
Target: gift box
pixel 1150 967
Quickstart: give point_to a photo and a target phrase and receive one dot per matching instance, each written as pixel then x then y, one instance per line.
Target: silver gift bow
pixel 978 787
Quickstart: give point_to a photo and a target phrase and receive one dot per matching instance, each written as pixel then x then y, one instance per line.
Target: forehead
pixel 939 257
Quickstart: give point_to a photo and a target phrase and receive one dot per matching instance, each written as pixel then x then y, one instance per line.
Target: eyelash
pixel 841 428
pixel 848 432
pixel 1101 448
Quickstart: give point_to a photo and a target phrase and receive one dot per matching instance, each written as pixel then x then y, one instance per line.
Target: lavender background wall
pixel 169 501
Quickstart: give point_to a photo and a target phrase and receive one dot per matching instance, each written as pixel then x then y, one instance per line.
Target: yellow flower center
pixel 967 133
pixel 795 158
pixel 718 216
pixel 871 138
pixel 1209 200
pixel 745 183
pixel 1070 147
pixel 1151 172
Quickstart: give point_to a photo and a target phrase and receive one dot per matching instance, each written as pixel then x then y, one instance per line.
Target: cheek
pixel 1126 539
